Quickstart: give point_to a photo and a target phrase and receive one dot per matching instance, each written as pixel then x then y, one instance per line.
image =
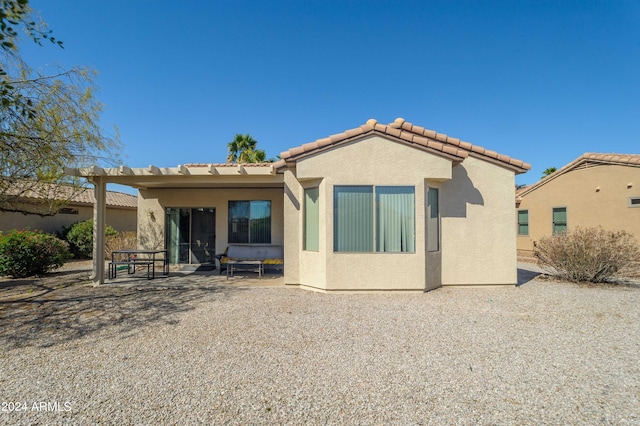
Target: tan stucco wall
pixel 120 219
pixel 478 237
pixel 153 202
pixel 586 207
pixel 370 161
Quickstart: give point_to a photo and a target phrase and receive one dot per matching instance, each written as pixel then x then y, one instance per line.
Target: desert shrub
pixel 26 253
pixel 589 254
pixel 122 241
pixel 80 238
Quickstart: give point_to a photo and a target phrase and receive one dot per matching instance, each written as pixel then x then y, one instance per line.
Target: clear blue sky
pixel 541 81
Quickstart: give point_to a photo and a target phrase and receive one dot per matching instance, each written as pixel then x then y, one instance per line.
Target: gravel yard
pixel 195 350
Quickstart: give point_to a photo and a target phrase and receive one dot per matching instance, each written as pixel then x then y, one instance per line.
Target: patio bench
pixel 131 267
pixel 243 256
pixel 134 258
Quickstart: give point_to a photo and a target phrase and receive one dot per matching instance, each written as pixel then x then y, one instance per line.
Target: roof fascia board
pixel 512 167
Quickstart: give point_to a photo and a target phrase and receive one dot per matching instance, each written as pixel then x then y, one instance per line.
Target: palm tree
pixel 242 149
pixel 548 171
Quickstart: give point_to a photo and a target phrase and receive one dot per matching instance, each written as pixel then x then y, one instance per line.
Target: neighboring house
pixel 593 190
pixel 121 212
pixel 378 207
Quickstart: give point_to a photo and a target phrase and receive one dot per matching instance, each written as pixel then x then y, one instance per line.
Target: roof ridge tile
pixel 413 134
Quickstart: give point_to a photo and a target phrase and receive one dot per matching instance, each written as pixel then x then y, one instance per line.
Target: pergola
pixel 202 176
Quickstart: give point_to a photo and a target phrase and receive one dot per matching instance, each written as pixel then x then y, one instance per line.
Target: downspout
pixel 99 216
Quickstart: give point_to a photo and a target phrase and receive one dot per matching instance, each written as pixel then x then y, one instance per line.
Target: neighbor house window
pixel 311 219
pixel 634 201
pixel 250 222
pixel 559 219
pixel 368 219
pixel 433 220
pixel 523 222
pixel 68 210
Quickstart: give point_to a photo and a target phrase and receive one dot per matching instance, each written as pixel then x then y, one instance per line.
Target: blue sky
pixel 541 81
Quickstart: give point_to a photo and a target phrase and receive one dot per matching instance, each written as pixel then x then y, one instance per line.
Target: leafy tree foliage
pixel 47 122
pixel 242 149
pixel 14 15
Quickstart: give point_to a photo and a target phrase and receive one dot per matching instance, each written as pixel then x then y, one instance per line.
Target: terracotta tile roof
pixel 585 160
pixel 405 132
pixel 628 159
pixel 82 196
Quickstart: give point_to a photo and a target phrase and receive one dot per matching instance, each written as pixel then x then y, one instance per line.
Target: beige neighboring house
pixel 377 207
pixel 593 190
pixel 121 210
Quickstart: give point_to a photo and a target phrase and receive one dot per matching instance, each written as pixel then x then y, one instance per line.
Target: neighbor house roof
pixel 81 196
pixel 410 134
pixel 588 159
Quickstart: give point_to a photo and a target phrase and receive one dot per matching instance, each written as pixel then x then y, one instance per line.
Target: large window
pixel 250 222
pixel 523 222
pixel 559 219
pixel 311 219
pixel 368 219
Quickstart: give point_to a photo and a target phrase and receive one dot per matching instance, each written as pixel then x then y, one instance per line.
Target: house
pixel 377 207
pixel 593 190
pixel 121 209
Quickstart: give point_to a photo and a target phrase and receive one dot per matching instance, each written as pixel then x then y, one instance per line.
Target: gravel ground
pixel 541 353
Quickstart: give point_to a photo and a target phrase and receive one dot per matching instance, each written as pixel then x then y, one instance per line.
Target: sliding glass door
pixel 191 234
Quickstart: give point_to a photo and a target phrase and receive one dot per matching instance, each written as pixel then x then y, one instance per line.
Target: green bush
pixel 26 253
pixel 80 238
pixel 589 254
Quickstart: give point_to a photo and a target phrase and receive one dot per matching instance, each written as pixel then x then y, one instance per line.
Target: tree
pixel 46 122
pixel 548 171
pixel 14 15
pixel 242 149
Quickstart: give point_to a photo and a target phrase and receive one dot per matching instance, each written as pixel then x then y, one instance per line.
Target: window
pixel 311 219
pixel 559 219
pixel 250 222
pixel 433 221
pixel 523 222
pixel 634 201
pixel 68 210
pixel 364 222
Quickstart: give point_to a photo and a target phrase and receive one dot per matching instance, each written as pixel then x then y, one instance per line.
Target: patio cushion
pixel 265 261
pixel 268 254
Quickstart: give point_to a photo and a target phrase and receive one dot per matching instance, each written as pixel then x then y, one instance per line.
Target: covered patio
pixel 190 200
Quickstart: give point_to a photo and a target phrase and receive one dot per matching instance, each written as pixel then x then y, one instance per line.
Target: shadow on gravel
pixel 59 314
pixel 525 275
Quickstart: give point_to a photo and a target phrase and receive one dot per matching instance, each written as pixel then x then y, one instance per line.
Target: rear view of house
pixel 377 207
pixel 593 190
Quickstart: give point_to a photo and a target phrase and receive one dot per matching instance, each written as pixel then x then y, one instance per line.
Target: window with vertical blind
pixel 559 223
pixel 311 219
pixel 433 220
pixel 250 222
pixel 368 219
pixel 523 222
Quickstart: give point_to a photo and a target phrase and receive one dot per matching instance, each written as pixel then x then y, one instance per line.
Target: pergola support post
pixel 99 218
